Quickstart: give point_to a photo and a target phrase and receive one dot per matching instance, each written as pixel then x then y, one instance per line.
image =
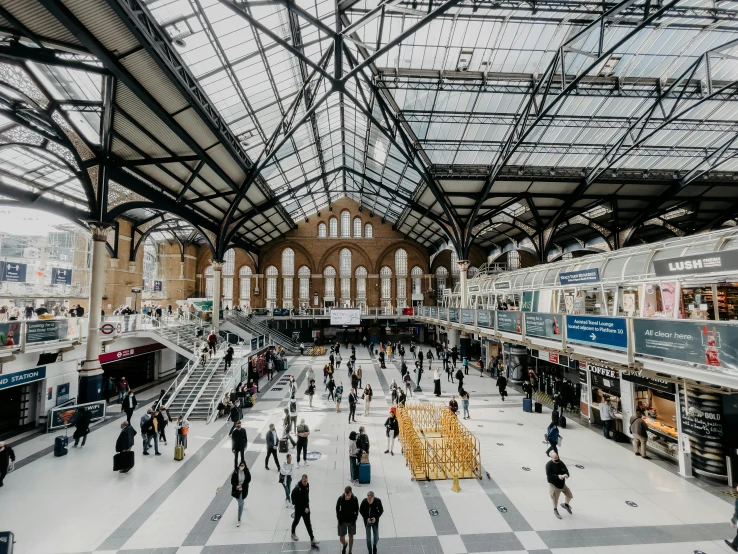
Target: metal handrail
pixel 219 393
pixel 179 381
pixel 205 374
pixel 208 375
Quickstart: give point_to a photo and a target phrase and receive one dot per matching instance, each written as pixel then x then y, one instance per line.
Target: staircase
pixel 213 387
pixel 184 400
pixel 257 327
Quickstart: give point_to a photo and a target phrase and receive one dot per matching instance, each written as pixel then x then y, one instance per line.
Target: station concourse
pixel 478 258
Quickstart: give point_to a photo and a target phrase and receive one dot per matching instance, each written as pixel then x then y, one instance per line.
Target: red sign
pixel 553 357
pixel 108 357
pixel 407 311
pixel 109 329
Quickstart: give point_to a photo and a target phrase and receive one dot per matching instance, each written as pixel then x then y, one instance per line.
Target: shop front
pixel 555 374
pixel 604 384
pixel 19 392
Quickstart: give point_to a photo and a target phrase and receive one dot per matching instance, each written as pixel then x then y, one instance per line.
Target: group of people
pixel 15 313
pixel 152 426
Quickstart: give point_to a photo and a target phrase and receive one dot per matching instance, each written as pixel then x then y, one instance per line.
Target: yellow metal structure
pixel 436 445
pixel 315 351
pixel 456 487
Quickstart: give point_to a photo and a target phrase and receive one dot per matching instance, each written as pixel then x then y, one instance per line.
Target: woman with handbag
pixel 285 478
pixel 240 479
pixel 353 458
pixel 183 427
pixel 368 393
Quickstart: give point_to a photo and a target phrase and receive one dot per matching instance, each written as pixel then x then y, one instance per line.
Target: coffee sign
pixel 605 371
pixel 712 262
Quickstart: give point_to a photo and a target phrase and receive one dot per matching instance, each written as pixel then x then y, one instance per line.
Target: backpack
pixel 459 375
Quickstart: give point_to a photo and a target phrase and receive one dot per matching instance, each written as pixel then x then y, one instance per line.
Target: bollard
pixel 455 487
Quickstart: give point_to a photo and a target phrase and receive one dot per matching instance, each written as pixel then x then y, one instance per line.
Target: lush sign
pixel 707 343
pixel 579 277
pixel 543 325
pixel 509 322
pixel 46 330
pixel 599 331
pixel 711 262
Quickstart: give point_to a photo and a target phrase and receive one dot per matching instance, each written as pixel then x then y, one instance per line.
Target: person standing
pixel 501 386
pixel 606 416
pixel 183 427
pixel 6 457
pixel 437 381
pixel 331 387
pixel 110 388
pixel 465 363
pixel 447 367
pixel 272 440
pixel 240 479
pixel 733 545
pixel 454 356
pixel 338 395
pixel 464 402
pixel 393 429
pixel 557 474
pixel 347 512
pixel 239 442
pixel 354 453
pixel 552 436
pixel 285 478
pixel 359 375
pixel 460 378
pixel 528 389
pixel 303 432
pixel 302 349
pixel 408 381
pixel 148 425
pixel 367 397
pixel 453 405
pixel 311 391
pixel 638 427
pixel 81 426
pixel 301 502
pixel 420 356
pixel 371 510
pixel 352 398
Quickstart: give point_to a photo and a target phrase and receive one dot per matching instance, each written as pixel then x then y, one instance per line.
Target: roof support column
pixel 464 340
pixel 217 272
pixel 91 373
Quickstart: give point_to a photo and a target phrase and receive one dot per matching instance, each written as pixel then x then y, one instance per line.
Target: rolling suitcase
pixel 123 461
pixel 179 453
pixel 527 405
pixel 365 473
pixel 539 408
pixel 60 446
pixel 283 446
pixel 562 421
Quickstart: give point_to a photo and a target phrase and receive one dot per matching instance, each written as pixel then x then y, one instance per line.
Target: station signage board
pixel 453 315
pixel 12 272
pixel 108 357
pixel 579 277
pixel 598 331
pixel 502 285
pixel 484 318
pixel 46 330
pixel 9 380
pixel 158 286
pixel 61 276
pixel 543 325
pixel 711 262
pixel 509 322
pixel 467 317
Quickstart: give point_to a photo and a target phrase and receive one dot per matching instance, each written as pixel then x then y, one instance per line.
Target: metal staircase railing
pixel 210 369
pixel 257 327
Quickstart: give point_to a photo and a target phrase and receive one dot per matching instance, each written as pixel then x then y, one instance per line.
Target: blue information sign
pixel 261 341
pixel 600 331
pixel 254 343
pixel 61 276
pixel 22 377
pixel 158 286
pixel 12 272
pixel 581 276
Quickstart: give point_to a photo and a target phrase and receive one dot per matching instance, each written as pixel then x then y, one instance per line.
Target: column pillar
pixel 217 272
pixel 464 340
pixel 91 373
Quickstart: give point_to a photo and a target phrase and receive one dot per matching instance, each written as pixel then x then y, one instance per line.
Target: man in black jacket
pixel 347 512
pixel 239 442
pixel 301 501
pixel 556 474
pixel 352 398
pixel 272 440
pixel 393 429
pixel 371 510
pixel 235 417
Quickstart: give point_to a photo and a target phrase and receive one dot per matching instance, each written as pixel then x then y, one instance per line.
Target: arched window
pixel 150 263
pixel 345 272
pixel 229 269
pixel 333 228
pixel 209 282
pixel 304 275
pixel 271 277
pixel 401 270
pixel 441 276
pixel 368 231
pixel 357 227
pixel 244 287
pixel 345 224
pixel 322 231
pixel 361 274
pixel 455 270
pixel 329 276
pixel 513 260
pixel 401 262
pixel 417 276
pixel 385 276
pixel 288 272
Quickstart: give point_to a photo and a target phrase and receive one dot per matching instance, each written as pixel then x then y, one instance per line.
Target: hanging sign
pixel 46 330
pixel 61 276
pixel 543 325
pixel 22 377
pixel 453 315
pixel 12 272
pixel 702 263
pixel 484 318
pixel 509 322
pixel 261 341
pixel 579 277
pixel 254 343
pixel 502 285
pixel 158 286
pixel 603 332
pixel 467 317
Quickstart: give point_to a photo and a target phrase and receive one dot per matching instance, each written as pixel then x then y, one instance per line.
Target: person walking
pixel 464 402
pixel 638 428
pixel 347 512
pixel 235 417
pixel 122 389
pixel 81 426
pixel 392 427
pixel 272 440
pixel 303 432
pixel 129 405
pixel 367 397
pixel 301 502
pixel 557 474
pixel 552 436
pixel 359 374
pixel 733 545
pixel 449 372
pixel 240 479
pixel 239 442
pixel 460 378
pixel 501 386
pixel 338 395
pixel 148 425
pixel 437 381
pixel 228 358
pixel 124 442
pixel 454 356
pixel 212 342
pixel 371 510
pixel 352 398
pixel 311 391
pixel 285 478
pixel 7 457
pixel 163 419
pixel 310 374
pixel 183 428
pixel 338 360
pixel 293 415
pixel 286 426
pixel 408 381
pixel 607 416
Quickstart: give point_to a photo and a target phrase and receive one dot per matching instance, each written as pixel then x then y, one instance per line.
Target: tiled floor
pixel 77 504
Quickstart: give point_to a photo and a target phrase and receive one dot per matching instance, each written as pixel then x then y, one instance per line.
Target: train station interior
pixel 475 259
